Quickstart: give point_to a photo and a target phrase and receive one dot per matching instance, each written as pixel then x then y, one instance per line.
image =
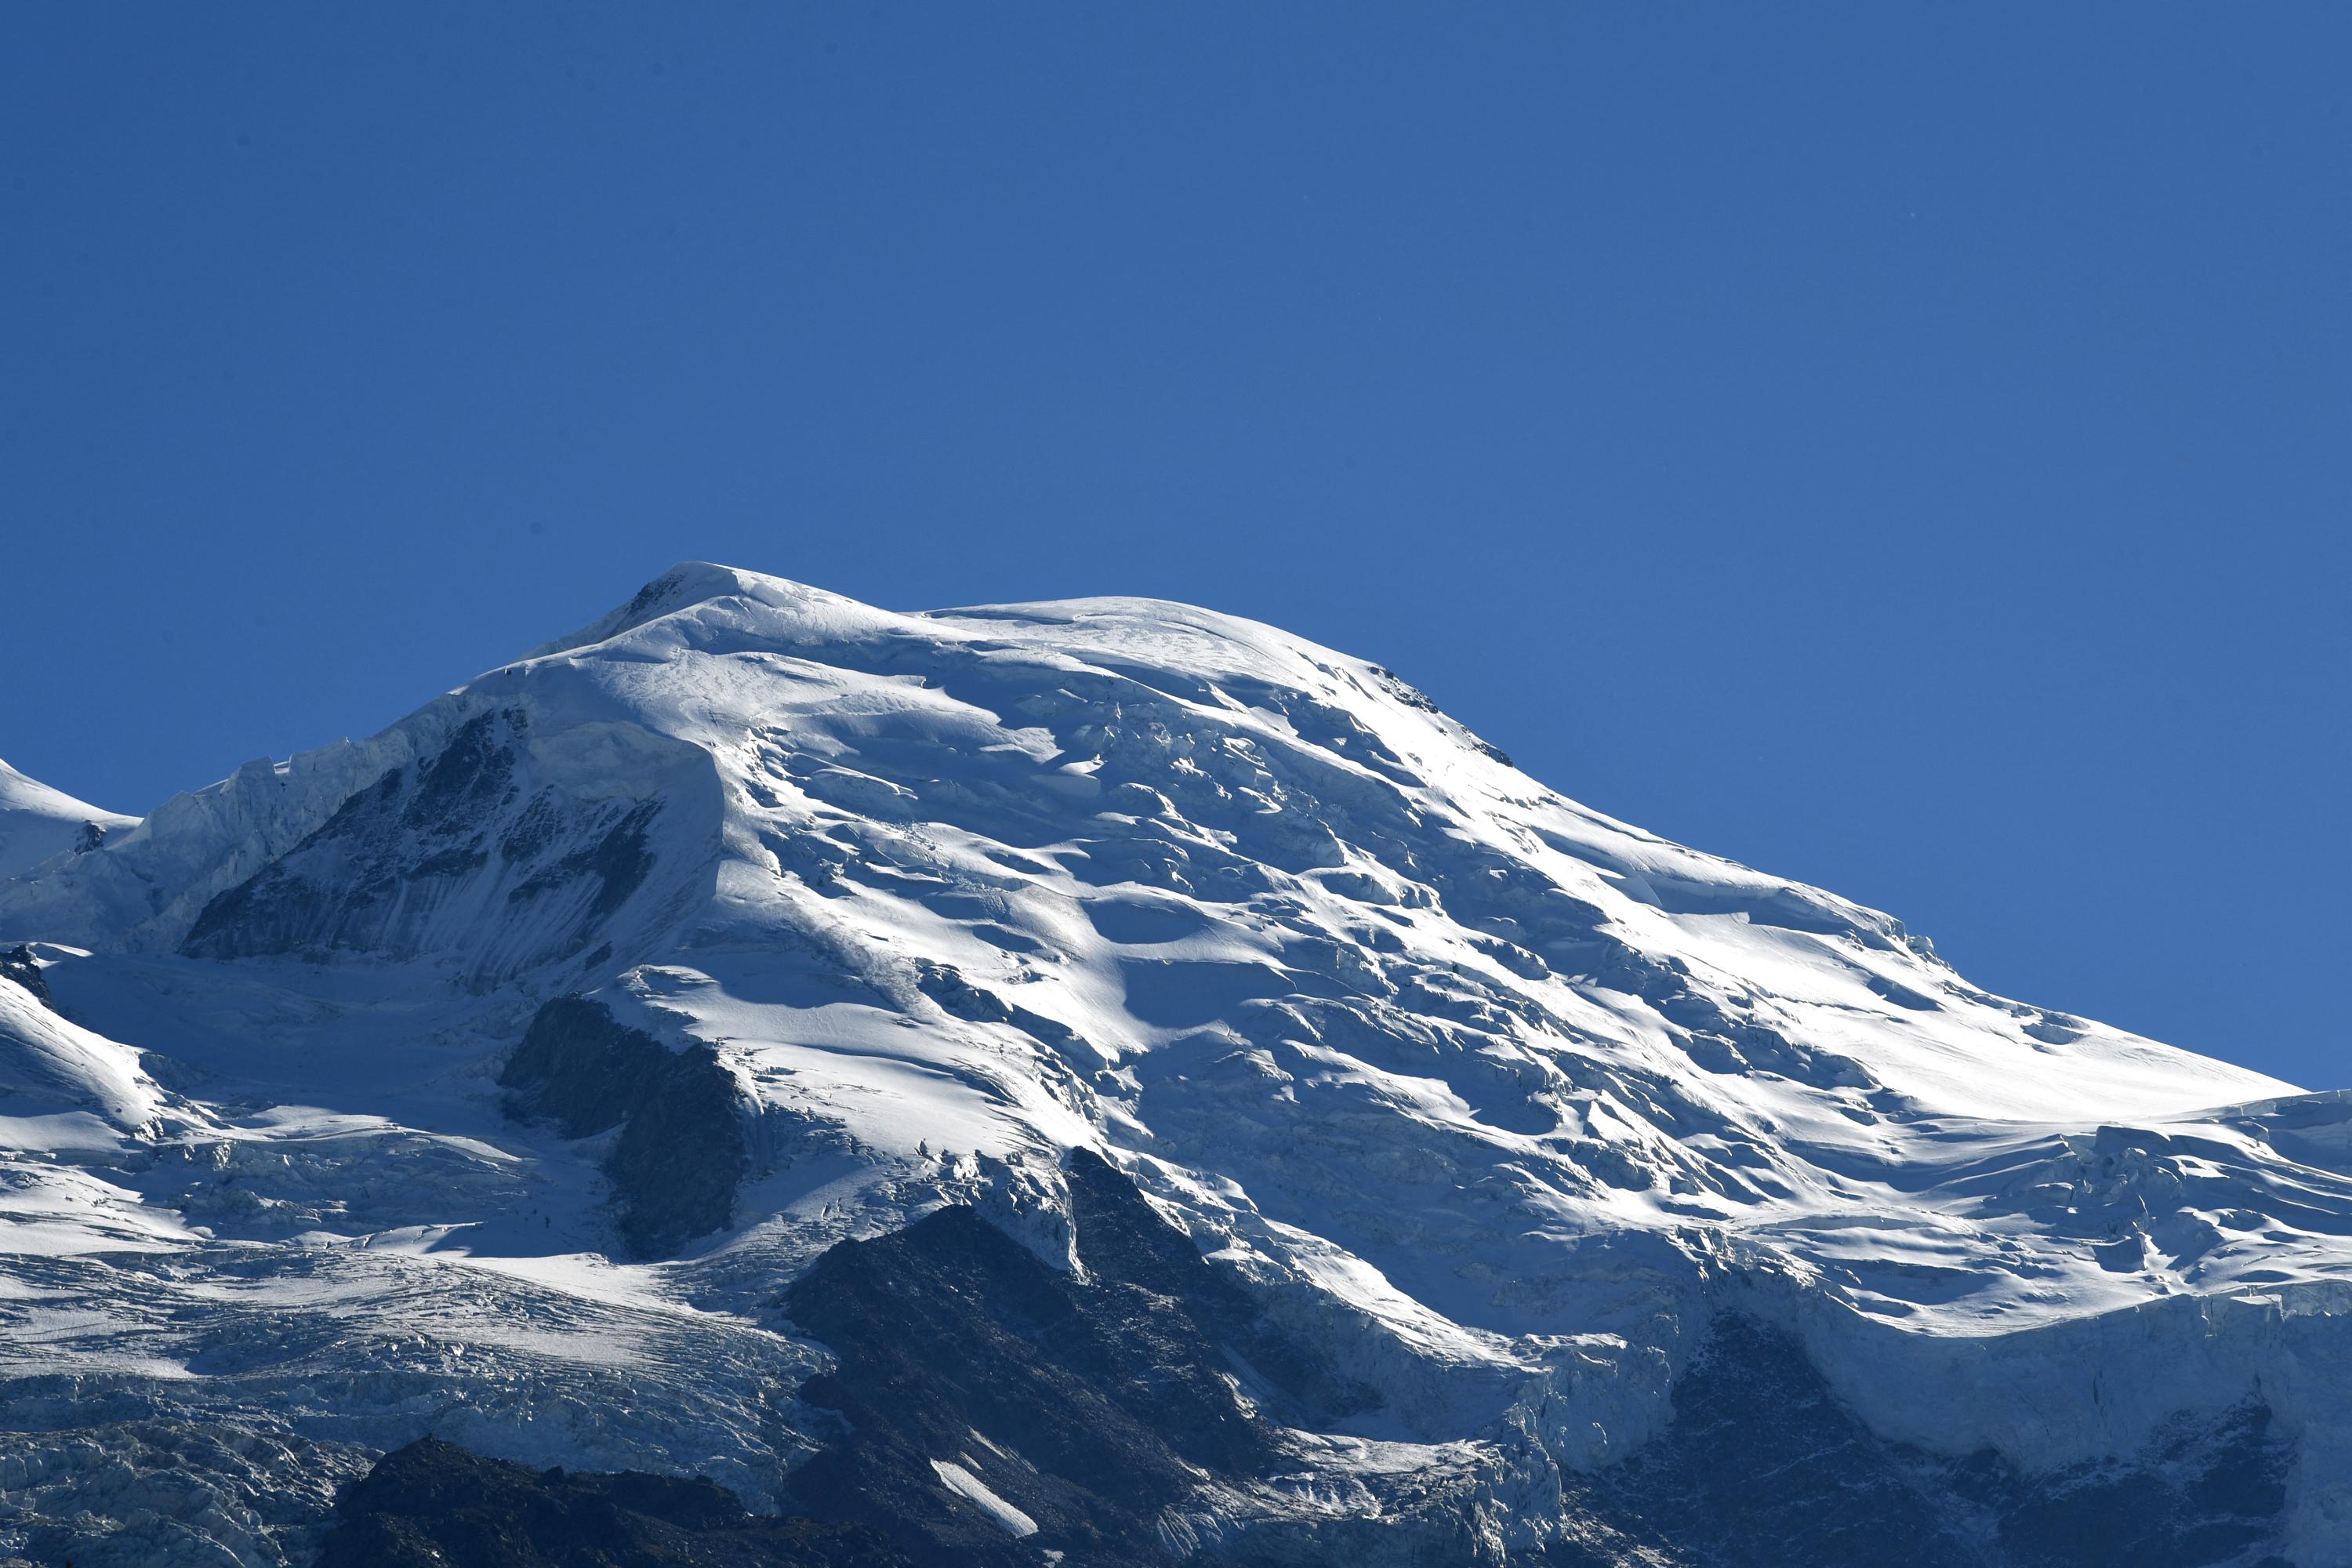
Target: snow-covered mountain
pixel 1152 1019
pixel 37 822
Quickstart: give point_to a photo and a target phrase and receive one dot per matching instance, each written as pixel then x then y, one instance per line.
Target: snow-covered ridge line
pixel 1497 1101
pixel 38 823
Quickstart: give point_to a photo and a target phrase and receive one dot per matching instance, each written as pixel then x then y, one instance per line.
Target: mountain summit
pixel 1267 1124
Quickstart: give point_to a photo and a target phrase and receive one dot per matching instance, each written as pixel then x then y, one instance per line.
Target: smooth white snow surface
pixel 1496 1096
pixel 37 822
pixel 972 1490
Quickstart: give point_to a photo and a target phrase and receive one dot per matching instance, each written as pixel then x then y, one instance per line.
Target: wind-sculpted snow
pixel 38 823
pixel 751 920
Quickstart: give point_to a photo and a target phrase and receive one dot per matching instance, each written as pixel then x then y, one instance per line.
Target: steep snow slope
pixel 36 822
pixel 1496 1102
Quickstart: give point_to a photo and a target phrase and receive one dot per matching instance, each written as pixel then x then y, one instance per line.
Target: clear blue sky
pixel 1904 447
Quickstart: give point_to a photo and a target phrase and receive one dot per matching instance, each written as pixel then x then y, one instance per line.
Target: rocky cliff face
pixel 432 1504
pixel 1111 1079
pixel 1088 1418
pixel 678 1156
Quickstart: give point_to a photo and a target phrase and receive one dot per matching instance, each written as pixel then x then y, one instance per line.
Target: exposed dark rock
pixel 18 963
pixel 473 772
pixel 619 860
pixel 436 1505
pixel 1121 1238
pixel 680 1155
pixel 580 1068
pixel 2204 1492
pixel 420 837
pixel 1763 1466
pixel 996 1411
pixel 1087 1404
pixel 950 1328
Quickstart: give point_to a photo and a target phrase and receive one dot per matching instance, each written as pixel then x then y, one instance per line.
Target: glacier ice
pixel 1506 1107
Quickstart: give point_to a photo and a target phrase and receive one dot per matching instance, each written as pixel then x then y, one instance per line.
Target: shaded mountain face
pixel 678 1154
pixel 465 846
pixel 433 1505
pixel 1088 1405
pixel 1130 1005
pixel 995 1410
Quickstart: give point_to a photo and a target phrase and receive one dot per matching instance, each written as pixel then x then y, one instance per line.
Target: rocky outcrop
pixel 18 963
pixel 435 1505
pixel 997 1408
pixel 1762 1466
pixel 1482 1110
pixel 680 1153
pixel 466 837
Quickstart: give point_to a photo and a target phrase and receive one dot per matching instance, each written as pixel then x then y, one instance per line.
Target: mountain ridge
pixel 38 821
pixel 1496 1102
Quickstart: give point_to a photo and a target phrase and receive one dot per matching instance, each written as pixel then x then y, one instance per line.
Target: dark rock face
pixel 1087 1405
pixel 18 965
pixel 2202 1493
pixel 417 825
pixel 950 1328
pixel 458 833
pixel 580 1068
pixel 435 1505
pixel 997 1411
pixel 680 1155
pixel 1121 1239
pixel 1763 1466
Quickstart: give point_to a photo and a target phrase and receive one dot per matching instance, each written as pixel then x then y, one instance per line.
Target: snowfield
pixel 1497 1101
pixel 37 823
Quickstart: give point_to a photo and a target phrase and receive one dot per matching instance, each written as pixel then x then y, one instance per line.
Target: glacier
pixel 505 1079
